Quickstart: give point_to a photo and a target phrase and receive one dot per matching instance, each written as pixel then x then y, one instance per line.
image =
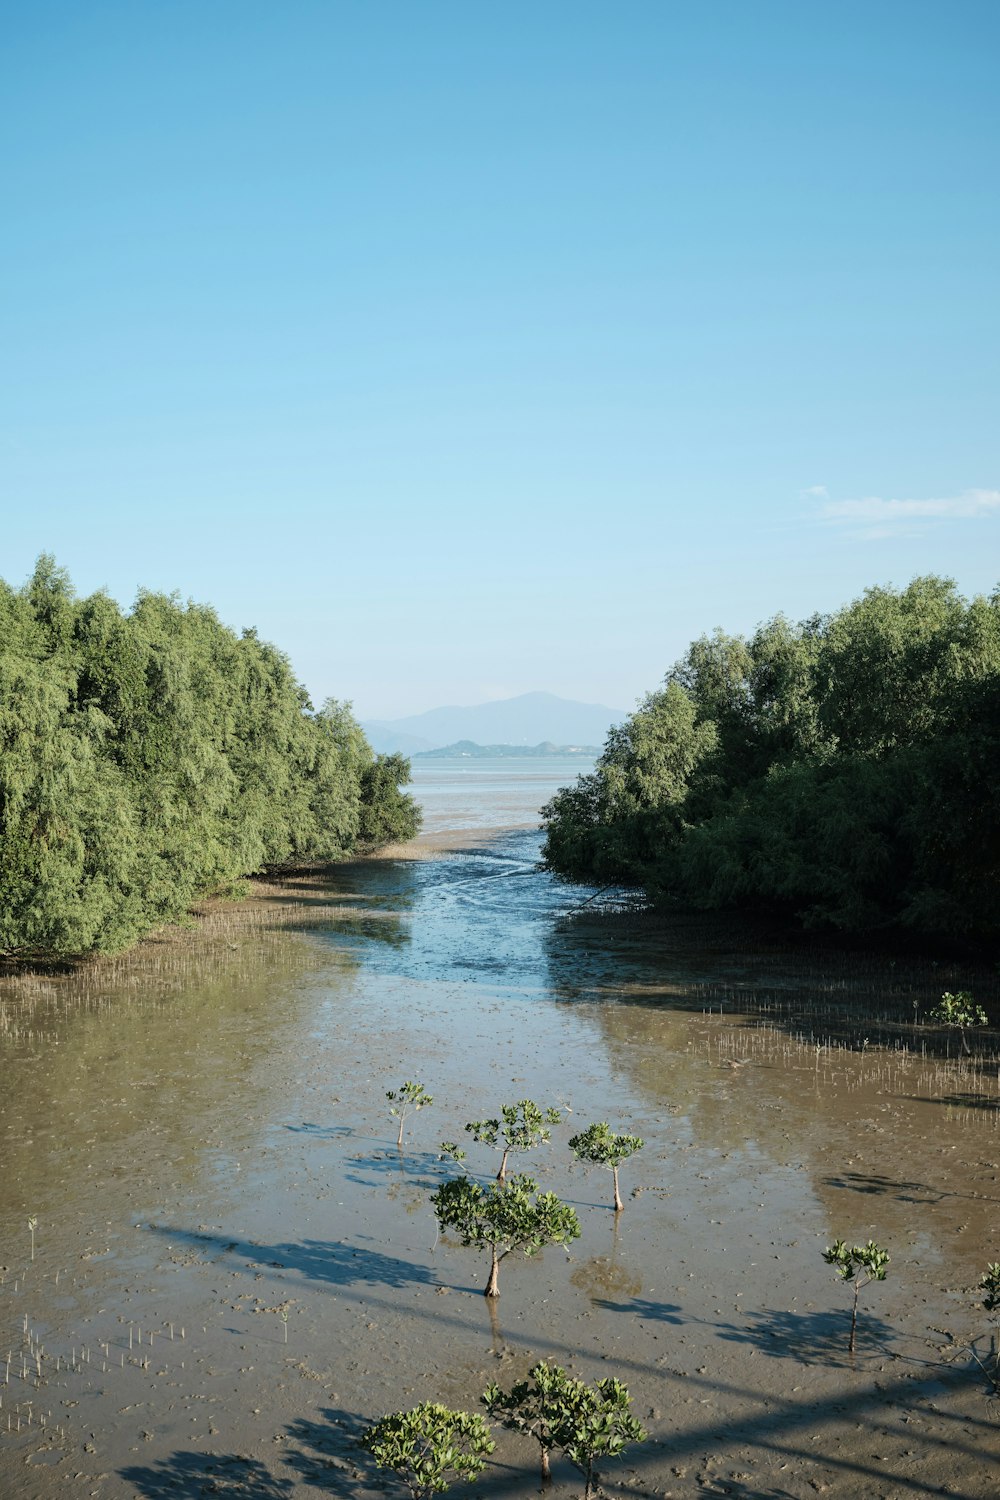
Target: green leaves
pixel 599 1145
pixel 151 758
pixel 504 1217
pixel 958 1010
pixel 989 1284
pixel 840 771
pixel 868 1259
pixel 410 1096
pixel 521 1127
pixel 587 1422
pixel 860 1264
pixel 430 1446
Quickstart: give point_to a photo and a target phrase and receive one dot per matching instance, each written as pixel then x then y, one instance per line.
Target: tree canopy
pixel 840 771
pixel 152 757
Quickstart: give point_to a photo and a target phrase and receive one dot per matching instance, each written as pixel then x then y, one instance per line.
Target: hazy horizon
pixel 465 352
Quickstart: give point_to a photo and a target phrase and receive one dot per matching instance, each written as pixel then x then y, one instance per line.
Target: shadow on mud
pixel 812 1337
pixel 189 1474
pixel 322 1450
pixel 330 1261
pixel 645 1310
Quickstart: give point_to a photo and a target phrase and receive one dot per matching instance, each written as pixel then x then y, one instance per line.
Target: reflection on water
pixel 202 1133
pixel 490 793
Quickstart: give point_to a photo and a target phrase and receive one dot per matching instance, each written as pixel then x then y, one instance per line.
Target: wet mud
pixel 235 1269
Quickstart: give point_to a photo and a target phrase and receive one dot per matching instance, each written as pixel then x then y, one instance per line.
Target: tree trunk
pixel 854 1319
pixel 546 1467
pixel 493 1285
pixel 399 1138
pixel 619 1205
pixel 502 1174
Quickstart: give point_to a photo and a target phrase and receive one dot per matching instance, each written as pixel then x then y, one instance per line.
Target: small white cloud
pixel 874 519
pixel 815 492
pixel 885 516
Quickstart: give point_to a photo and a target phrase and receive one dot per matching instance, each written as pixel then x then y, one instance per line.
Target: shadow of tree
pixel 387 929
pixel 321 1132
pixel 406 1163
pixel 812 1337
pixel 332 1261
pixel 641 1307
pixel 972 1100
pixel 905 1192
pixel 323 1449
pixel 196 1474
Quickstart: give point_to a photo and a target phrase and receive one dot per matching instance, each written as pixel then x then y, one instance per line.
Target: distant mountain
pixel 467 749
pixel 525 720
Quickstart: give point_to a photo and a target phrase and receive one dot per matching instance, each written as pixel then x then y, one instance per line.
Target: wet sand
pixel 235 1269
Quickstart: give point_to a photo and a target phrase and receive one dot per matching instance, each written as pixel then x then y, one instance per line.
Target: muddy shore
pixel 234 1269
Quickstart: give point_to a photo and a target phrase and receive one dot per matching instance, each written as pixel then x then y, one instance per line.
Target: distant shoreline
pixel 469 750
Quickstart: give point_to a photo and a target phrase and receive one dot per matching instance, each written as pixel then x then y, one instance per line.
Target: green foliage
pixel 430 1446
pixel 388 816
pixel 586 1422
pixel 452 1151
pixel 860 1264
pixel 600 1146
pixel 503 1218
pixel 409 1097
pixel 521 1127
pixel 150 758
pixel 840 771
pixel 989 1283
pixel 989 1287
pixel 958 1010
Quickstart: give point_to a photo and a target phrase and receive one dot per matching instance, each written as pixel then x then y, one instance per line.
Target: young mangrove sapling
pixel 861 1264
pixel 958 1012
pixel 599 1145
pixel 504 1217
pixel 430 1446
pixel 411 1096
pixel 586 1422
pixel 989 1286
pixel 522 1127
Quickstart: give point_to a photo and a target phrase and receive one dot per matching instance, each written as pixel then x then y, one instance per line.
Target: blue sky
pixel 471 349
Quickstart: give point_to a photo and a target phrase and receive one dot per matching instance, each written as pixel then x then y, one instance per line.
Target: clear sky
pixel 467 349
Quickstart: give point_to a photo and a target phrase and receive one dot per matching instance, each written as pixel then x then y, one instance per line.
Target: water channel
pixel 234 1269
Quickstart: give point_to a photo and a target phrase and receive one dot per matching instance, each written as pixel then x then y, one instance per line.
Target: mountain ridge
pixel 528 719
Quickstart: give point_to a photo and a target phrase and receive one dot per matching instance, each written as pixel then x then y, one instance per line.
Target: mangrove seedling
pixel 958 1012
pixel 521 1127
pixel 860 1264
pixel 504 1217
pixel 989 1285
pixel 411 1096
pixel 586 1422
pixel 599 1145
pixel 32 1226
pixel 527 1408
pixel 430 1446
pixel 452 1151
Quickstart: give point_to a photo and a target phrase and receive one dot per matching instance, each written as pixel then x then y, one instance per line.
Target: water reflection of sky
pixel 476 912
pixel 490 793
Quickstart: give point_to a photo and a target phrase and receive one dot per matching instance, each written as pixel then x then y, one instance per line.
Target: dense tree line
pixel 152 757
pixel 843 771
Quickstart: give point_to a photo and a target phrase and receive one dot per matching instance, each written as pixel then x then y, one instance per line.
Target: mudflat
pixel 235 1269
